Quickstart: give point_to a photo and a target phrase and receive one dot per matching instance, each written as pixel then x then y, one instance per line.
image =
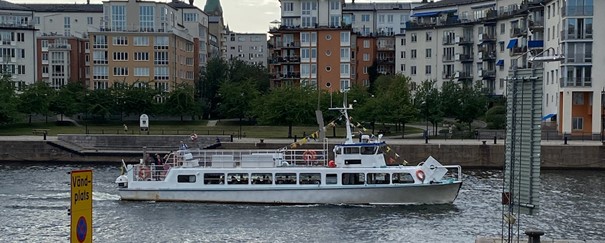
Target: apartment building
pixel 313 46
pixel 248 47
pixel 17 44
pixel 62 45
pixel 196 23
pixel 139 42
pixel 576 82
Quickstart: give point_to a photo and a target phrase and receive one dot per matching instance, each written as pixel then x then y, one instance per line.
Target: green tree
pixel 428 101
pixel 216 72
pixel 68 100
pixel 35 100
pixel 100 103
pixel 181 102
pixel 137 98
pixel 399 96
pixel 473 104
pixel 450 98
pixel 496 117
pixel 8 101
pixel 257 75
pixel 237 98
pixel 286 106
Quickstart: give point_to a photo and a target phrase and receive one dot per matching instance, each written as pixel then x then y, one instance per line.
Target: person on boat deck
pixel 158 165
pixel 183 146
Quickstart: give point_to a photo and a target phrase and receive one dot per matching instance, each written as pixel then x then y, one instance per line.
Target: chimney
pixel 191 2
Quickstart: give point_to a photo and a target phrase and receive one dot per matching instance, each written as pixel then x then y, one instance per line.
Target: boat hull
pixel 363 194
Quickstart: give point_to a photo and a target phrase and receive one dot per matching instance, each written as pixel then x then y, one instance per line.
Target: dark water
pixel 34 199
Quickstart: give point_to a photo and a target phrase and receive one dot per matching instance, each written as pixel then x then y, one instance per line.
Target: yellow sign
pixel 81 206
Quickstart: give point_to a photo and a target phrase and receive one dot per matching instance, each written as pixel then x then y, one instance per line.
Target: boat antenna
pixel 343 111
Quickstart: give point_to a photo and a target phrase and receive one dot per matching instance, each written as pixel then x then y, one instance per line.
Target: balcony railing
pixel 448 58
pixel 518 50
pixel 490 73
pixel 59 46
pixel 578 58
pixel 487 55
pixel 464 75
pixel 536 23
pixel 465 58
pixel 487 37
pixel 464 40
pixel 448 75
pixel 517 32
pixel 574 36
pixel 386 61
pixel 575 82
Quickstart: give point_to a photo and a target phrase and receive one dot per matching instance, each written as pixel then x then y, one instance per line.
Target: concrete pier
pixel 524 240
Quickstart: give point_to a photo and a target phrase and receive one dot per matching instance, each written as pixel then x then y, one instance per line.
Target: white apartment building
pixel 248 47
pixel 17 44
pixel 378 18
pixel 196 22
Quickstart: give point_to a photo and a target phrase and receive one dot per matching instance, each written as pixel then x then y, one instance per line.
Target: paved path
pixel 338 140
pixel 212 123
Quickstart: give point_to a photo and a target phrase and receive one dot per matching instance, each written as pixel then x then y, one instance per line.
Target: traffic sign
pixel 81 206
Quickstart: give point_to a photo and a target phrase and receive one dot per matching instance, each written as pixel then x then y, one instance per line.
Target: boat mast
pixel 343 111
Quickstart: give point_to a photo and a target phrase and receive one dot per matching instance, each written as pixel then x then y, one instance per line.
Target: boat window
pixel 368 150
pixel 237 178
pixel 402 178
pixel 352 161
pixel 351 150
pixel 309 178
pixel 353 178
pixel 338 150
pixel 285 178
pixel 261 178
pixel 331 179
pixel 186 178
pixel 379 178
pixel 214 178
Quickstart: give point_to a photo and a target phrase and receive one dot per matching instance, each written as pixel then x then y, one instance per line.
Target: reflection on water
pixel 38 195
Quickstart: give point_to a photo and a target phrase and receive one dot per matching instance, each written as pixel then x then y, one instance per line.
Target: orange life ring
pixel 332 164
pixel 309 155
pixel 144 173
pixel 193 137
pixel 420 175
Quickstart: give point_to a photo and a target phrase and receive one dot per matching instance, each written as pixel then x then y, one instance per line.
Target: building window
pixel 141 71
pixel 190 17
pixel 89 21
pixel 345 54
pixel 428 53
pixel 502 28
pixel 413 55
pixel 120 71
pixel 577 123
pixel 141 41
pixel 365 70
pixel 99 42
pixel 366 57
pixel 99 57
pixel 365 18
pixel 160 58
pixel 578 98
pixel 146 16
pixel 402 68
pixel 161 73
pixel 288 6
pixel 120 41
pixel 345 38
pixel 344 84
pixel 161 42
pixel 366 43
pixel 345 71
pixel 141 56
pixel 118 17
pixel 429 36
pixel 45 56
pixel 413 70
pixel 413 37
pixel 120 56
pixel 100 72
pixel 67 25
pixel 427 69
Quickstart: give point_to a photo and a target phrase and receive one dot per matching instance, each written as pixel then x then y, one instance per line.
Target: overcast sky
pixel 241 15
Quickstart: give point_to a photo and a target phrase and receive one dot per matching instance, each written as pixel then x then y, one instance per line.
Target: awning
pixel 512 43
pixel 426 14
pixel 500 62
pixel 548 116
pixel 535 43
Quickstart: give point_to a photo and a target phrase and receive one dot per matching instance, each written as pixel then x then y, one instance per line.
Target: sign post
pixel 144 123
pixel 81 206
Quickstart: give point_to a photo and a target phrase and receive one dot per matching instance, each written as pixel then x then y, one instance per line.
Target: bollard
pixel 231 137
pixel 534 235
pixel 295 138
pixel 495 140
pixel 565 140
pixel 426 140
pixel 45 135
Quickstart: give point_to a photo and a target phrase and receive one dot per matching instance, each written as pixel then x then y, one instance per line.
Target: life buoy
pixel 332 164
pixel 420 175
pixel 309 155
pixel 144 173
pixel 193 137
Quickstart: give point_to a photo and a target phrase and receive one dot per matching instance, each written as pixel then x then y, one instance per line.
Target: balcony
pixel 565 35
pixel 386 47
pixel 487 38
pixel 17 25
pixel 448 75
pixel 536 24
pixel 449 58
pixel 487 55
pixel 517 32
pixel 487 74
pixel 577 58
pixel 298 28
pixel 287 75
pixel 389 61
pixel 59 46
pixel 518 51
pixel 575 82
pixel 464 58
pixel 463 75
pixel 449 40
pixel 464 40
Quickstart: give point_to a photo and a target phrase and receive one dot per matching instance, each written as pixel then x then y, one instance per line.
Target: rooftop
pixel 376 6
pixel 4 5
pixel 61 7
pixel 449 3
pixel 180 4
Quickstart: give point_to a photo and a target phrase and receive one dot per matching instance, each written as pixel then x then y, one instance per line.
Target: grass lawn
pixel 178 128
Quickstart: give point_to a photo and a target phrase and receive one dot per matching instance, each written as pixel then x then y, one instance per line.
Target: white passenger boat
pixel 358 174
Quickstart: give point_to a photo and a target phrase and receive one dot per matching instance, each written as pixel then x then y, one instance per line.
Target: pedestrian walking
pixel 125 128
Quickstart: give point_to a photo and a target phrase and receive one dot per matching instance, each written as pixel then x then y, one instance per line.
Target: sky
pixel 248 16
